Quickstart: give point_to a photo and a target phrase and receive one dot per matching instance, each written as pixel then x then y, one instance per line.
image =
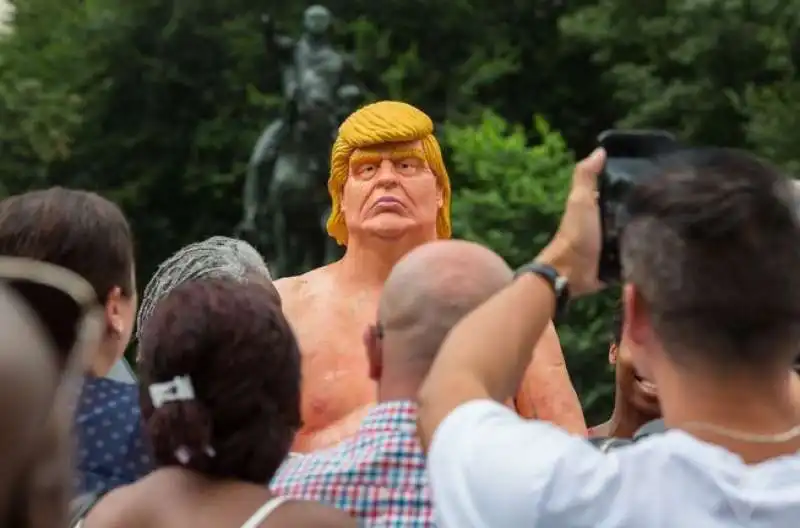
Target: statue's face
pixel 390 189
pixel 317 20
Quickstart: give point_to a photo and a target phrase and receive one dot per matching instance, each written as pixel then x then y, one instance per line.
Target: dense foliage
pixel 157 103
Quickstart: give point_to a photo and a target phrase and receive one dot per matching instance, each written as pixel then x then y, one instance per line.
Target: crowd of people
pixel 433 391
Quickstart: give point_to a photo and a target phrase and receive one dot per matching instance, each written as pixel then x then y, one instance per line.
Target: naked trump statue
pixel 390 193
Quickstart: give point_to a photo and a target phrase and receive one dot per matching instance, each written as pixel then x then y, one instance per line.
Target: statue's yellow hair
pixel 376 124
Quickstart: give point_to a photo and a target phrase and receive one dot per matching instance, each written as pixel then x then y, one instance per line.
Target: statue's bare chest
pixel 324 60
pixel 334 360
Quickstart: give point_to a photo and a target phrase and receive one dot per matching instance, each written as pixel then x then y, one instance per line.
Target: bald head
pixel 430 290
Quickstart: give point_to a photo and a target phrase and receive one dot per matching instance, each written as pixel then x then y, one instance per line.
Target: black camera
pixel 630 158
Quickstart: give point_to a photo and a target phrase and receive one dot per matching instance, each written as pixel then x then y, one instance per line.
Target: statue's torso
pixel 329 325
pixel 322 59
pixel 330 322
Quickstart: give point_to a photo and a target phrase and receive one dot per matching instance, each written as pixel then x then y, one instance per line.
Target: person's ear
pixel 374 348
pixel 114 318
pixel 637 325
pixel 637 330
pixel 612 354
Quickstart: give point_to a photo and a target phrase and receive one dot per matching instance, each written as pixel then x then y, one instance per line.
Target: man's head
pixel 215 257
pixel 387 175
pixel 632 388
pixel 710 259
pixel 317 20
pixel 427 293
pixel 88 235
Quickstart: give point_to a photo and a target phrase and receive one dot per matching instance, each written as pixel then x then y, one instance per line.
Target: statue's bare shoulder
pixel 303 293
pixel 329 329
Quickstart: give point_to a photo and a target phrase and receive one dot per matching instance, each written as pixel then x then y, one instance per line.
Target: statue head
pixel 317 20
pixel 387 174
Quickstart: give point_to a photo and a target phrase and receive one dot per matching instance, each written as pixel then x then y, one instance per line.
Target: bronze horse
pixel 294 154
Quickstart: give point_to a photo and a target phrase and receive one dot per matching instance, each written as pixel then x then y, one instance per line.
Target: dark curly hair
pixel 234 343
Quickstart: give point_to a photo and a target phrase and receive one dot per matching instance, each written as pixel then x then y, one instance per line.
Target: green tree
pixel 773 126
pixel 38 113
pixel 686 65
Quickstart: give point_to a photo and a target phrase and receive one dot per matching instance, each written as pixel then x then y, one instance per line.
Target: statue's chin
pixel 388 227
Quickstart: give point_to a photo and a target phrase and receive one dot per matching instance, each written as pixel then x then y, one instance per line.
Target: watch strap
pixel 555 280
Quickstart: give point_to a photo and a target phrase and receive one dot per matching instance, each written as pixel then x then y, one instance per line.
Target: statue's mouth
pixel 388 203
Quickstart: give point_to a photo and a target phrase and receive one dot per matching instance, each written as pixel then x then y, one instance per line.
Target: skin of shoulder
pixel 300 292
pixel 115 509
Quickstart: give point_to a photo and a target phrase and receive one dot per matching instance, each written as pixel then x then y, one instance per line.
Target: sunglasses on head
pixel 64 303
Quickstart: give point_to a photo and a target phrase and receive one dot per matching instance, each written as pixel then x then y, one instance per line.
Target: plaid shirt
pixel 378 475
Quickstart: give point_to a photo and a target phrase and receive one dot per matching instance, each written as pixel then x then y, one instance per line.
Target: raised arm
pixel 273 42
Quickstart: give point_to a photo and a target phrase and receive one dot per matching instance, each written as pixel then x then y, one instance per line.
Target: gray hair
pixel 216 257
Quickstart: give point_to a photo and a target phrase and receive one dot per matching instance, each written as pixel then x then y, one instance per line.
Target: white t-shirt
pixel 488 468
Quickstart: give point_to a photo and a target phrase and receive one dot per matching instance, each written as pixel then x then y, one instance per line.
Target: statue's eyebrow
pixel 374 156
pixel 363 157
pixel 401 154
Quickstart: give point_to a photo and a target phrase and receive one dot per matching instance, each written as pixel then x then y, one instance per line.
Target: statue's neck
pixel 368 260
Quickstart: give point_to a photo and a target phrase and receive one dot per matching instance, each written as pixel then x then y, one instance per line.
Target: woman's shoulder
pixel 117 509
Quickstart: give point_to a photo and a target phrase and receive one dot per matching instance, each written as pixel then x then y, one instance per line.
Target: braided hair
pixel 215 257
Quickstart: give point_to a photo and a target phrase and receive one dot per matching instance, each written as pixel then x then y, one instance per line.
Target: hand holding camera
pixel 585 248
pixel 575 248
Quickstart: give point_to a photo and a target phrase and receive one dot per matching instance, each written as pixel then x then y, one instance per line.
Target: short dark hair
pixel 235 345
pixel 77 230
pixel 713 246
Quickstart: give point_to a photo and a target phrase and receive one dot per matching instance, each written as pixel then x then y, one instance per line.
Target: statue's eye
pixel 367 169
pixel 408 166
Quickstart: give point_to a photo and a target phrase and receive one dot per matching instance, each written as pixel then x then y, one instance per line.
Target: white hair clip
pixel 184 455
pixel 179 389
